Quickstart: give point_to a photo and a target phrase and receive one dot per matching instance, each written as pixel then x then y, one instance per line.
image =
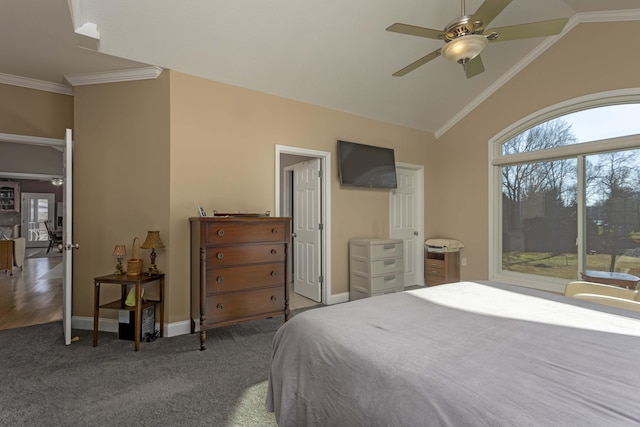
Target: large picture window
pixel 567 198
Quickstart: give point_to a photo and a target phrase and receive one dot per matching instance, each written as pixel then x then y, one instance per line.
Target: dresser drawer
pixel 229 279
pixel 435 272
pixel 374 284
pixel 247 254
pixel 376 267
pixel 235 306
pixel 224 233
pixel 377 249
pixel 434 263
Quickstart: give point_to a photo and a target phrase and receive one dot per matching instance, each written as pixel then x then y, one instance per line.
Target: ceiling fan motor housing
pixel 460 27
pixel 464 40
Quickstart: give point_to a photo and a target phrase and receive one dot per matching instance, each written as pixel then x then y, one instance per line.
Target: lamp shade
pixel 464 48
pixel 120 251
pixel 152 241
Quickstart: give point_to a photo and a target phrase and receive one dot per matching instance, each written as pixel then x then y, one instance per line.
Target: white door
pixel 306 229
pixel 67 237
pixel 36 209
pixel 406 223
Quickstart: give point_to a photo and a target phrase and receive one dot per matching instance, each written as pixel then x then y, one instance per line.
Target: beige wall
pixel 223 157
pixel 34 112
pixel 583 62
pixel 148 153
pixel 121 179
pixel 24 158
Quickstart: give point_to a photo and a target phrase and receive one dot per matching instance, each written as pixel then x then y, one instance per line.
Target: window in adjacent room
pixel 567 197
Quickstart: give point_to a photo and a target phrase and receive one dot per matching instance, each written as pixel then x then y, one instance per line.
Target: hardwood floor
pixel 31 296
pixel 298 301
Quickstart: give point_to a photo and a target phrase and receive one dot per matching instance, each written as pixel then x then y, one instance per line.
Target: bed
pixel 461 354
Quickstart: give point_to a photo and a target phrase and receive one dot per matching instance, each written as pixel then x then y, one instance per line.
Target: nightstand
pixel 125 281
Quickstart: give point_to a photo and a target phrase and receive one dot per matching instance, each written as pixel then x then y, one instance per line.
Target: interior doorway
pixel 36 208
pixel 39 284
pixel 406 219
pixel 286 159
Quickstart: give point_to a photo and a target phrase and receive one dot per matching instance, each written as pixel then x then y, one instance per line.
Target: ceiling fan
pixel 466 36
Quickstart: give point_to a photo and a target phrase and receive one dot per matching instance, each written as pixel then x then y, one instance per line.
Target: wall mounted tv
pixel 363 165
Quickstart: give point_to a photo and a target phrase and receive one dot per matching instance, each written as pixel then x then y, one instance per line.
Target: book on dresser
pixel 238 270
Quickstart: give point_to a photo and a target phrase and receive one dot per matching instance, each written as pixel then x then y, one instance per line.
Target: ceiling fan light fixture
pixel 465 48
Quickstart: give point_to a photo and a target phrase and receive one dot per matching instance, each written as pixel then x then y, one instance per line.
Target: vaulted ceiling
pixel 334 54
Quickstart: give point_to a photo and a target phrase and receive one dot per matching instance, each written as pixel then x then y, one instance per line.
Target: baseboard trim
pixel 339 298
pixel 182 327
pixel 111 325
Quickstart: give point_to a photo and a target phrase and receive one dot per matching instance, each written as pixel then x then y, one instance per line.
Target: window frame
pixel 578 151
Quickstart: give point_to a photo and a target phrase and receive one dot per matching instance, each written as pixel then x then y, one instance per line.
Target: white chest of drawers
pixel 376 267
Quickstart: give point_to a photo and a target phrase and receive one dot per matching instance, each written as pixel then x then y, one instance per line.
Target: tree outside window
pixel 540 205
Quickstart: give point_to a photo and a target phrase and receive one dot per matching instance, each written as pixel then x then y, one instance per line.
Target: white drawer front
pixel 386 250
pixel 376 267
pixel 378 283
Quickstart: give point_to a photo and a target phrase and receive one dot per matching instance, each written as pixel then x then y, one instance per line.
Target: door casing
pixel 282 193
pixel 418 213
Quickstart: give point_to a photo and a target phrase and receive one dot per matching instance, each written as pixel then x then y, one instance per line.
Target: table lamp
pixel 119 252
pixel 152 242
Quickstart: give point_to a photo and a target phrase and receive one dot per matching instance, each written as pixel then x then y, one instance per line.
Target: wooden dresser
pixel 238 270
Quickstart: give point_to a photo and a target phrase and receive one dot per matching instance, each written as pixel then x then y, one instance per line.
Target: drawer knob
pixel 220 233
pixel 274 298
pixel 274 231
pixel 220 279
pixel 220 255
pixel 273 251
pixel 220 307
pixel 274 274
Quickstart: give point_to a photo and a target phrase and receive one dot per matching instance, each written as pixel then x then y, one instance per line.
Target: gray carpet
pixel 168 382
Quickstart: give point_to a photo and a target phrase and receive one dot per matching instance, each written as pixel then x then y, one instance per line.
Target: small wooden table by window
pixel 623 280
pixel 125 281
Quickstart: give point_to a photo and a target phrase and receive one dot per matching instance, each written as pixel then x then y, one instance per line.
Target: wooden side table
pixel 125 281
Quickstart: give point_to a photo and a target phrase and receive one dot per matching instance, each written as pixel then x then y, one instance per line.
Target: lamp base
pixel 153 269
pixel 119 269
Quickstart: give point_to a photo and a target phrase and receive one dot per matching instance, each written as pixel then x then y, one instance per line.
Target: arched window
pixel 566 195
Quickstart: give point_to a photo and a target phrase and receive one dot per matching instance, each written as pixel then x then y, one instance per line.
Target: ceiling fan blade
pixel 525 31
pixel 488 11
pixel 412 30
pixel 473 67
pixel 420 62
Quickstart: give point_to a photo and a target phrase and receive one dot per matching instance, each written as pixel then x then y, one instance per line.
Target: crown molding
pixel 143 73
pixel 590 17
pixel 12 80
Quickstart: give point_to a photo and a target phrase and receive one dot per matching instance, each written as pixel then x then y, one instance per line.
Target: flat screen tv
pixel 368 166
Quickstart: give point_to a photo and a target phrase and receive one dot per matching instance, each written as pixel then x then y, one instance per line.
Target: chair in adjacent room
pixel 55 236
